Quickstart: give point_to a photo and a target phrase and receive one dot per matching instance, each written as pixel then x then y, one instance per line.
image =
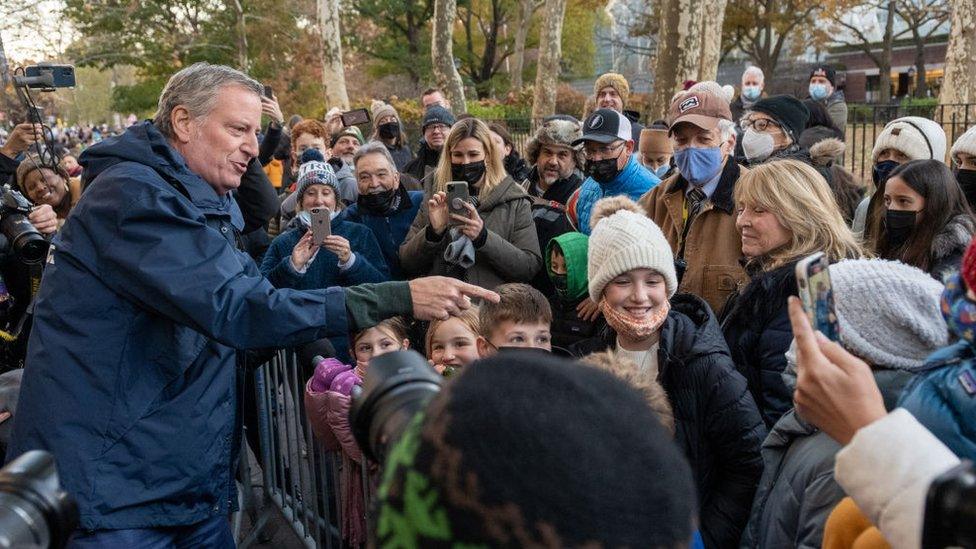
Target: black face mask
pixel 967 182
pixel 471 173
pixel 561 283
pixel 381 203
pixel 899 225
pixel 602 171
pixel 881 170
pixel 388 130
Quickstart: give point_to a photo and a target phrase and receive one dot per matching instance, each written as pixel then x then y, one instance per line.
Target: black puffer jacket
pixel 757 329
pixel 717 423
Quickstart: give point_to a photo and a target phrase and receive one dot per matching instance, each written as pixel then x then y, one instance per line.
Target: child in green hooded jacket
pixel 566 266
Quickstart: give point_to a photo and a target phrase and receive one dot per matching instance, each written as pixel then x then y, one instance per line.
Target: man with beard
pixel 552 181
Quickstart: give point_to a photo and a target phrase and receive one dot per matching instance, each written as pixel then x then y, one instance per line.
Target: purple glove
pixel 326 370
pixel 344 382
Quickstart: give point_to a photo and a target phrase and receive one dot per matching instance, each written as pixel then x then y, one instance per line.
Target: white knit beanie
pixel 624 238
pixel 965 144
pixel 916 137
pixel 889 313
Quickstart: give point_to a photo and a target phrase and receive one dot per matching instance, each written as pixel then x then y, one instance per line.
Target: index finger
pixel 471 290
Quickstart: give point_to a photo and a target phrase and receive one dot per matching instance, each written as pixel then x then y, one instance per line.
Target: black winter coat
pixel 717 423
pixel 757 328
pixel 567 327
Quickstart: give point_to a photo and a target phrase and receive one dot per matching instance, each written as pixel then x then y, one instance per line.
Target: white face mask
pixel 306 218
pixel 757 145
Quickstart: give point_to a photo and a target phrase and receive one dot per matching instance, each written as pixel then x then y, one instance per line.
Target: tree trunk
pixel 526 10
pixel 711 46
pixel 959 84
pixel 921 87
pixel 884 67
pixel 333 72
pixel 547 70
pixel 678 53
pixel 442 54
pixel 242 58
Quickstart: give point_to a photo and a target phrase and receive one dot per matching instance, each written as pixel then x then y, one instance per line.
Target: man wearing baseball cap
pixel 610 165
pixel 695 207
pixel 823 88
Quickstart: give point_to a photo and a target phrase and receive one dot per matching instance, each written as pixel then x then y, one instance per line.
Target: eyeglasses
pixel 443 128
pixel 760 124
pixel 603 151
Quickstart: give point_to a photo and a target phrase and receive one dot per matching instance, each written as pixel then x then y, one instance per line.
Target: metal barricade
pixel 300 478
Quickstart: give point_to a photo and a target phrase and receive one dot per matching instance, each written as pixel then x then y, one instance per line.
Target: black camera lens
pixel 34 511
pixel 27 241
pixel 397 386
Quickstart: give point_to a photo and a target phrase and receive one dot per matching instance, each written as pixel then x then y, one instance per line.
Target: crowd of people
pixel 664 254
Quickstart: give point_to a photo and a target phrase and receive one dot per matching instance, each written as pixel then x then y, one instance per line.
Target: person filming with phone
pixel 477 225
pixel 785 211
pixel 320 249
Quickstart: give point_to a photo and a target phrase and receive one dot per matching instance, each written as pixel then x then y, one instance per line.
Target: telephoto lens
pixel 34 511
pixel 397 386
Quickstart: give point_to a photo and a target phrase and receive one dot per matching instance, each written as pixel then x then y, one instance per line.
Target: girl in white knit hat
pixel 675 340
pixel 963 156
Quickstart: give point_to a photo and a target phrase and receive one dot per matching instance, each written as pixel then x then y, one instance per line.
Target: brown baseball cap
pixel 701 108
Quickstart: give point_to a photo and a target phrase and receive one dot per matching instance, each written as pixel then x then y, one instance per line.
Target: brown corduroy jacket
pixel 713 250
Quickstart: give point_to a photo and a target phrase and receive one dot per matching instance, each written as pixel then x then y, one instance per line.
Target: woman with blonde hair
pixel 785 212
pixel 496 241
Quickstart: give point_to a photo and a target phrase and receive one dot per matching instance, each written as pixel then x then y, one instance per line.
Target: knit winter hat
pixel 615 81
pixel 888 312
pixel 966 143
pixel 314 170
pixel 654 141
pixel 916 137
pixel 968 268
pixel 379 109
pixel 437 115
pixel 490 464
pixel 623 238
pixel 788 111
pixel 574 247
pixel 558 132
pixel 825 71
pixel 32 162
pixel 351 130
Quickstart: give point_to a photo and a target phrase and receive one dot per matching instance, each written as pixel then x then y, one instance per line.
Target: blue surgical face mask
pixel 306 218
pixel 699 165
pixel 751 93
pixel 662 170
pixel 818 91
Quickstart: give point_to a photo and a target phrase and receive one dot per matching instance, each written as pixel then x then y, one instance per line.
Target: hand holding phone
pixel 355 117
pixel 817 295
pixel 457 195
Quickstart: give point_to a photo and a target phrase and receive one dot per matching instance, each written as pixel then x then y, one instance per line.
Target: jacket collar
pixel 722 197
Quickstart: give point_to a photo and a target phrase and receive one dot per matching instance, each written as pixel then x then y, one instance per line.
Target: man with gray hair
pixel 695 207
pixel 133 375
pixel 384 204
pixel 753 86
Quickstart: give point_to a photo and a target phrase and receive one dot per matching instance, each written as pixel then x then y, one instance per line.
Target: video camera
pixel 34 511
pixel 399 385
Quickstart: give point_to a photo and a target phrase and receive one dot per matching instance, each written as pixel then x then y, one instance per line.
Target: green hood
pixel 574 246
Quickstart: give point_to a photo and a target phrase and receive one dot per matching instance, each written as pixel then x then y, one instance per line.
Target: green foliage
pixel 579 39
pixel 394 33
pixel 494 110
pixel 140 98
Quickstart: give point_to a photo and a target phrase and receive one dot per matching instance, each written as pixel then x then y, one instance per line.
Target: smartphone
pixel 268 92
pixel 457 195
pixel 321 224
pixel 355 117
pixel 817 295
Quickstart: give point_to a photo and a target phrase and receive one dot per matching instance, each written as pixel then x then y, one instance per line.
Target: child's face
pixel 557 263
pixel 511 334
pixel 453 344
pixel 638 293
pixel 376 342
